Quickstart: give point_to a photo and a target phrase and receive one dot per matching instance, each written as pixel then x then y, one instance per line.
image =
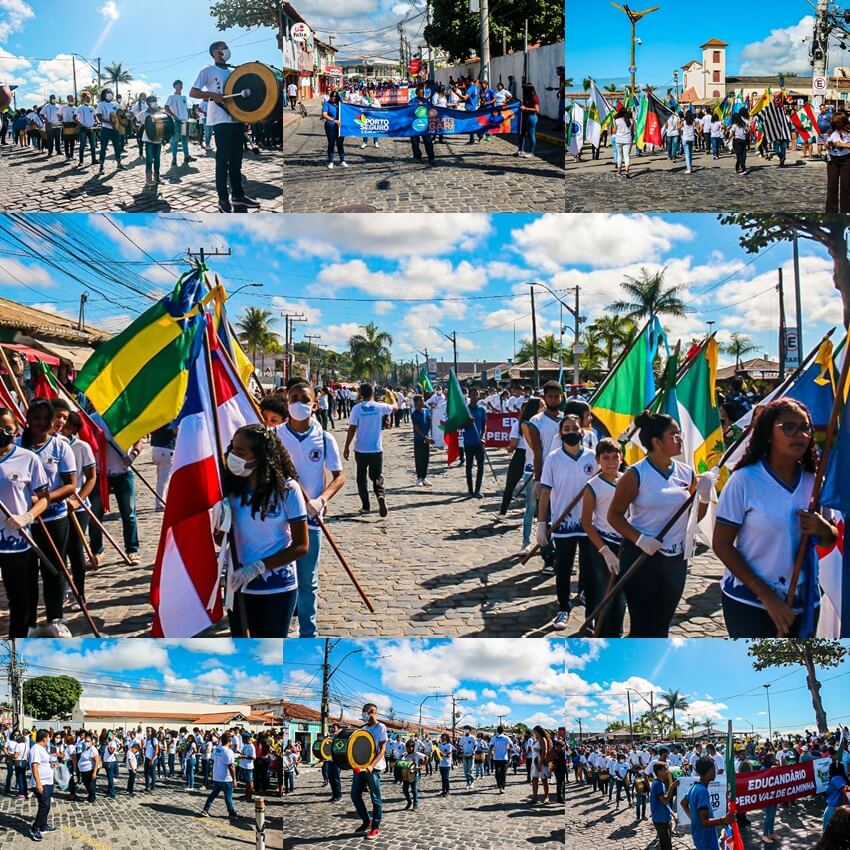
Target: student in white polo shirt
pixel 150 750
pixel 223 776
pixel 313 452
pixel 500 749
pixel 369 777
pixel 246 763
pixel 467 746
pixel 42 780
pixel 84 116
pixel 364 429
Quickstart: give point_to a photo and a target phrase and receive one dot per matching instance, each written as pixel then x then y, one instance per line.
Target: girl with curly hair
pixel 269 525
pixel 761 516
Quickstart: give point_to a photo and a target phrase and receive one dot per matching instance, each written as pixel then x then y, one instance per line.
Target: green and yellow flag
pixel 137 380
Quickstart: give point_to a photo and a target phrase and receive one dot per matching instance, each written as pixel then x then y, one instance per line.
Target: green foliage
pixel 647 296
pixel 49 697
pixel 255 331
pixel 791 652
pixel 370 352
pixel 246 13
pixel 738 346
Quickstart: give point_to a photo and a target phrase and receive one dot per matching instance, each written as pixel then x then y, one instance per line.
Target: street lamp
pixel 574 311
pixel 769 722
pixel 244 286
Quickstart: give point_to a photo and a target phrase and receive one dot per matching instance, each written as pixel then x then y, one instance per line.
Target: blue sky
pixel 523 679
pixel 417 275
pixel 762 39
pixel 158 40
pixel 716 676
pixel 200 669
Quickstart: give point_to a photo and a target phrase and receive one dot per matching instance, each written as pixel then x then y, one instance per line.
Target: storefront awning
pixel 31 354
pixel 76 354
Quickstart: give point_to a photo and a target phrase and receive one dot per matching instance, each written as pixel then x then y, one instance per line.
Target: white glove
pixel 221 516
pixel 648 544
pixel 705 486
pixel 316 507
pixel 611 560
pixel 542 534
pixel 18 521
pixel 245 575
pixel 624 437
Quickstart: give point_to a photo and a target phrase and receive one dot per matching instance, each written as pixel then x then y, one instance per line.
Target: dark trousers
pixel 150 774
pixel 44 800
pixel 665 840
pixel 371 464
pixel 228 160
pixel 421 456
pixel 86 138
pixel 747 621
pixel 131 780
pixel 269 615
pixel 16 569
pixel 474 453
pixel 334 140
pixel 740 148
pixel 706 140
pixel 335 780
pixel 653 592
pixel 445 772
pixel 429 147
pixel 565 552
pixel 107 135
pixel 123 487
pixel 76 552
pixel 53 586
pixel 514 476
pixel 500 768
pixel 838 184
pixel 90 784
pixel 69 143
pixel 596 581
pixel 54 134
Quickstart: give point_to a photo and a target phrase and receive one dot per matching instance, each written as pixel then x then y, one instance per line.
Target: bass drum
pixel 322 748
pixel 404 771
pixel 254 93
pixel 5 97
pixel 159 127
pixel 70 128
pixel 353 749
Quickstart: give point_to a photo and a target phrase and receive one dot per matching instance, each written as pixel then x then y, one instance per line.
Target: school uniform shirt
pixel 422 420
pixel 21 476
pixel 566 476
pixel 602 492
pixel 247 756
pixel 499 746
pixel 622 131
pixel 658 810
pixel 379 736
pixel 368 417
pixel 85 761
pixel 85 116
pixel 150 748
pixel 719 763
pixel 132 761
pixel 445 755
pixel 312 452
pixel 212 79
pixel 50 113
pixel 257 538
pixel 57 459
pixel 672 126
pixel 547 428
pixel 467 745
pixel 706 123
pixel 763 509
pixel 142 115
pixel 104 110
pixel 739 133
pixel 658 497
pixel 35 119
pixel 844 138
pixel 688 132
pixel 223 757
pixel 179 105
pixel 84 458
pixel 39 759
pixel 109 757
pixel 67 112
pixel 716 130
pixel 516 434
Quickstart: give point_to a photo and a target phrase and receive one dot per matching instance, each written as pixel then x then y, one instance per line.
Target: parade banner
pixel 499 429
pixel 417 119
pixel 781 784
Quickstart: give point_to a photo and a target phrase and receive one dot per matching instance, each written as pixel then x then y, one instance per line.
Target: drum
pixel 479 757
pixel 405 770
pixel 192 128
pixel 322 748
pixel 353 749
pixel 254 93
pixel 159 127
pixel 70 128
pixel 604 776
pixel 119 119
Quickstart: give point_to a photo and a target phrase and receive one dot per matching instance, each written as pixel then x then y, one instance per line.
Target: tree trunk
pixel 814 688
pixel 837 247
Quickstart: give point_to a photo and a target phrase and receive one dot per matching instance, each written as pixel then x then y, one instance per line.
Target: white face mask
pixel 108 97
pixel 152 104
pixel 300 411
pixel 225 54
pixel 238 466
pixel 365 717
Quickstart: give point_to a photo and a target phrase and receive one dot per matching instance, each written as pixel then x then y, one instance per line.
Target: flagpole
pixel 831 431
pixel 72 515
pixel 22 399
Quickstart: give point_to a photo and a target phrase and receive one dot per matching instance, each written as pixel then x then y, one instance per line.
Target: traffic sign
pixel 819 85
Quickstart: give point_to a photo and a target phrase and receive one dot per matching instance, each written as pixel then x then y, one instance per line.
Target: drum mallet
pixel 243 93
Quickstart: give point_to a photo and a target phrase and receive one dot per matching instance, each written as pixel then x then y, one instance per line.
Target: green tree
pixel 617 726
pixel 672 700
pixel 708 723
pixel 693 725
pixel 613 333
pixel 586 83
pixel 759 231
pixel 116 73
pixel 49 697
pixel 611 88
pixel 809 654
pixel 255 330
pixel 739 346
pixel 647 296
pixel 455 29
pixel 247 14
pixel 370 352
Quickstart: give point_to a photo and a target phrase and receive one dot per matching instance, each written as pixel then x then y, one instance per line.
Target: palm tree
pixel 693 725
pixel 647 296
pixel 612 87
pixel 568 81
pixel 549 346
pixel 370 352
pixel 738 346
pixel 671 700
pixel 586 83
pixel 709 725
pixel 116 73
pixel 255 330
pixel 613 332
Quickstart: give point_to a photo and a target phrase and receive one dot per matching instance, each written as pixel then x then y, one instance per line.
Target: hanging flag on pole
pixel 424 382
pixel 457 415
pixel 575 130
pixel 731 833
pixel 699 415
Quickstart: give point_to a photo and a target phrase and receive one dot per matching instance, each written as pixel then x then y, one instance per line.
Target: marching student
pixel 103 115
pixel 565 474
pixel 410 789
pixel 334 775
pixel 365 424
pixel 540 754
pixel 42 780
pixel 313 452
pixel 762 513
pixel 60 466
pixel 445 750
pixel 223 776
pixel 604 558
pixel 697 806
pixel 473 442
pixel 466 747
pixel 84 116
pixel 67 112
pixel 500 749
pixel 420 419
pixel 177 106
pixel 369 777
pixel 132 767
pixel 273 409
pixel 661 794
pixel 151 756
pixel 269 519
pixel 650 492
pixel 246 765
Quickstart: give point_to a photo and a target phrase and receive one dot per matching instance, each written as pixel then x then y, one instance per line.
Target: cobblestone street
pixel 32 182
pixel 595 825
pixel 168 819
pixel 480 819
pixel 658 185
pixel 475 178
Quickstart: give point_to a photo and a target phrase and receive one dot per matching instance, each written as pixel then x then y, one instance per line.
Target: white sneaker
pixel 548 569
pixel 426 483
pixel 330 165
pixel 526 550
pixel 560 621
pixel 418 482
pixel 500 517
pixel 57 628
pixel 344 164
pixel 376 143
pixel 364 144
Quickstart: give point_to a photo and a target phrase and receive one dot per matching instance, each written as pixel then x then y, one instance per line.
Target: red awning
pixel 32 354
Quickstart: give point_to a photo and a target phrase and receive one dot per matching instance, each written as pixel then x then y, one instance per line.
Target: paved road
pixel 595 825
pixel 467 178
pixel 657 185
pixel 32 182
pixel 165 820
pixel 480 819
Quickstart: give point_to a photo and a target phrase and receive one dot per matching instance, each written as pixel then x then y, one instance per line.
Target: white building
pixel 706 80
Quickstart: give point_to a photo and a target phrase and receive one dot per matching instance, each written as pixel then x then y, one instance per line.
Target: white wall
pixel 542 63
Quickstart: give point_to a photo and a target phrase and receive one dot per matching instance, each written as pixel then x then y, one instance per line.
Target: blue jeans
pixel 411 790
pixel 529 128
pixel 123 487
pixel 44 800
pixel 672 146
pixel 640 805
pixel 205 771
pixel 445 772
pixel 769 820
pixel 715 146
pixel 780 148
pixel 176 139
pixel 829 811
pixel 335 780
pixel 225 788
pixel 467 769
pixel 171 764
pixel 615 151
pixel 190 772
pixel 107 135
pixel 530 509
pixel 289 780
pixel 479 770
pixel 111 770
pixel 689 154
pixel 370 779
pixel 307 569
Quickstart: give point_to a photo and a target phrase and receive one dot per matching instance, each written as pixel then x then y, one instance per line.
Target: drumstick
pixel 243 93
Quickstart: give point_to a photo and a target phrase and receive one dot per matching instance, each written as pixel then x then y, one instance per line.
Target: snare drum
pixel 70 128
pixel 405 770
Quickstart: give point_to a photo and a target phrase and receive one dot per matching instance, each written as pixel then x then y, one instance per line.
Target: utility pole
pixel 455 701
pixel 16 670
pixel 203 253
pixel 534 341
pixel 781 289
pixel 577 349
pixel 81 324
pixel 769 720
pixel 579 731
pixel 484 72
pixel 74 74
pixel 431 64
pixel 289 319
pixel 326 681
pixel 631 727
pixel 798 303
pixel 99 77
pixel 453 340
pixel 820 45
pixel 634 17
pixel 310 338
pixel 401 46
pixel 525 51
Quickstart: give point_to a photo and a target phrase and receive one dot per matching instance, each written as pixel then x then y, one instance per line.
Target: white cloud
pixel 783 50
pixel 13 15
pixel 540 718
pixel 523 697
pixel 382 701
pixel 488 693
pixel 467 694
pixel 109 10
pixel 493 709
pixel 337 336
pixel 15 273
pixel 381 308
pixel 283 305
pixel 678 642
pixel 119 655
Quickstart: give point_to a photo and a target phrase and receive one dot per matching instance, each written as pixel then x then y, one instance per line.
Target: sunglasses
pixel 791 429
